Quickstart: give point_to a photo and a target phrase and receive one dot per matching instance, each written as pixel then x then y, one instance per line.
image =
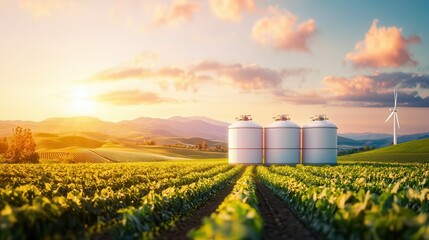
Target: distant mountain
pixel 344 143
pixel 417 136
pixel 187 127
pixel 204 119
pixel 181 127
pixel 363 136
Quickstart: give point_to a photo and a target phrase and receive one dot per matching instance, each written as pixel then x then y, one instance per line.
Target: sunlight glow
pixel 80 101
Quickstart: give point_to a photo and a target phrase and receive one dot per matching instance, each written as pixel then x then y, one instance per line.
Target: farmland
pixel 93 147
pixel 416 151
pixel 129 200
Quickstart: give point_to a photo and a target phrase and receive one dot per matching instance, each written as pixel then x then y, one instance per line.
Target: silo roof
pixel 282 124
pixel 320 124
pixel 245 124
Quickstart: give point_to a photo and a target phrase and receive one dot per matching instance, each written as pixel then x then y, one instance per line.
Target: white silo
pixel 245 141
pixel 319 142
pixel 282 142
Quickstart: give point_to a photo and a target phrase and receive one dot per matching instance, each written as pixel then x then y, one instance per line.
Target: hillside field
pixel 408 152
pixel 96 147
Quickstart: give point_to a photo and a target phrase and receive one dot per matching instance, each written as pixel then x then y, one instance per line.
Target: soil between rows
pixel 279 221
pixel 195 219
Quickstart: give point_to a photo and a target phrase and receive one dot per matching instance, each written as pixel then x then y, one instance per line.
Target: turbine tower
pixel 394 113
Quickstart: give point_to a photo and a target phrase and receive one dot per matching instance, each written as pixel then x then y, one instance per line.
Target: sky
pixel 119 60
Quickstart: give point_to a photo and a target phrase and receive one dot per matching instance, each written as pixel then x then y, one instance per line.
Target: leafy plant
pixel 237 217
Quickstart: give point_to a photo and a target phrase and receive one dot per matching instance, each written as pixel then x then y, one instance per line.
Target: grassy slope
pixel 181 152
pixel 153 153
pixel 413 151
pixel 53 142
pixel 80 143
pixel 416 146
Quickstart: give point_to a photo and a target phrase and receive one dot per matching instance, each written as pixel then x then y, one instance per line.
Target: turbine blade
pixel 396 97
pixel 391 114
pixel 397 119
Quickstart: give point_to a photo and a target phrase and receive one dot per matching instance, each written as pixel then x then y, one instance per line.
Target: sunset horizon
pixel 120 61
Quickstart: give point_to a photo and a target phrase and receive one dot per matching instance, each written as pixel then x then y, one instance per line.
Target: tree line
pixel 200 145
pixel 355 150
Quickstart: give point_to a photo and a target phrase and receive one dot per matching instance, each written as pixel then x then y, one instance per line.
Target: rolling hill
pixel 415 146
pixel 78 147
pixel 57 142
pixel 412 151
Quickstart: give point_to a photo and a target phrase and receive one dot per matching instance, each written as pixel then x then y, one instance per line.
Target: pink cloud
pixel 171 72
pixel 131 97
pixel 383 47
pixel 312 97
pixel 121 73
pixel 363 91
pixel 340 86
pixel 281 31
pixel 250 77
pixel 231 9
pixel 192 82
pixel 178 11
pixel 247 77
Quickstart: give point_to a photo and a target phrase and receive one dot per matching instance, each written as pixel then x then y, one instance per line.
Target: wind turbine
pixel 394 113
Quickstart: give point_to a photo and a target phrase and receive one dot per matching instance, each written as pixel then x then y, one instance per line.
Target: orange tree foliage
pixel 4 145
pixel 22 148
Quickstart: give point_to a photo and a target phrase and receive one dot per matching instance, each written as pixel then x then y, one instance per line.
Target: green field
pixel 413 151
pixel 98 148
pixel 379 194
pixel 147 200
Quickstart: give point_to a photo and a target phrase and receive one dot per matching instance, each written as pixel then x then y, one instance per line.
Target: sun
pixel 80 101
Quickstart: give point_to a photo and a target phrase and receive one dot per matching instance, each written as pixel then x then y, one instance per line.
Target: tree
pixel 4 145
pixel 22 148
pixel 204 145
pixel 201 145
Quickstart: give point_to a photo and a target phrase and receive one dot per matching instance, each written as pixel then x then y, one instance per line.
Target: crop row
pixel 159 211
pixel 237 217
pixel 342 210
pixel 133 200
pixel 60 200
pixel 88 157
pixel 374 178
pixel 85 156
pixel 91 177
pixel 123 156
pixel 61 156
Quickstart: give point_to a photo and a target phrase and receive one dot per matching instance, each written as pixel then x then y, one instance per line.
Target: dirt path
pixel 195 219
pixel 101 156
pixel 279 221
